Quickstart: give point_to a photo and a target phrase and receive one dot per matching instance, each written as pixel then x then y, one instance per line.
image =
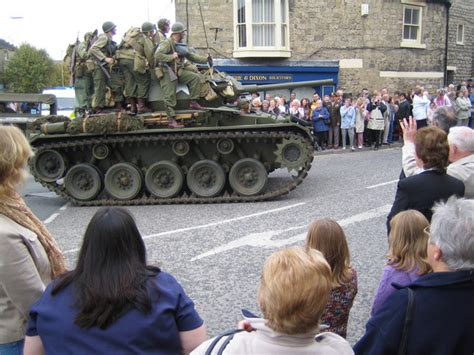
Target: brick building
pixel 359 43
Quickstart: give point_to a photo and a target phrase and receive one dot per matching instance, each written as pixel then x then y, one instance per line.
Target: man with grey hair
pixel 438 306
pixel 444 117
pixel 461 154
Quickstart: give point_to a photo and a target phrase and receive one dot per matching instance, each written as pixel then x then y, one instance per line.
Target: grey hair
pixel 452 230
pixel 462 137
pixel 444 117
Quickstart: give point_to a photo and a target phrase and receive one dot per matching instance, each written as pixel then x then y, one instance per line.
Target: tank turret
pixel 223 154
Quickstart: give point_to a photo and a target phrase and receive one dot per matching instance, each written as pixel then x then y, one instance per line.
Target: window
pixel 412 21
pixel 261 28
pixel 460 35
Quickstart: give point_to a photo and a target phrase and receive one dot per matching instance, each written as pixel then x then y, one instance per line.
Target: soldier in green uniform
pixel 163 29
pixel 135 55
pixel 181 70
pixel 106 71
pixel 84 84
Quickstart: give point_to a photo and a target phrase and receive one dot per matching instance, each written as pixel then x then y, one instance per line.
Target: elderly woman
pixel 113 302
pixel 440 303
pixel 421 191
pixel 463 106
pixel 291 319
pixel 29 256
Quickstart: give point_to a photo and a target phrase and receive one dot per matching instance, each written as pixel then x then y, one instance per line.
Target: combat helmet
pixel 148 27
pixel 162 22
pixel 108 26
pixel 177 27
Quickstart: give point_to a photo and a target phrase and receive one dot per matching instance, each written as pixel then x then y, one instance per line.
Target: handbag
pixel 402 346
pixel 376 120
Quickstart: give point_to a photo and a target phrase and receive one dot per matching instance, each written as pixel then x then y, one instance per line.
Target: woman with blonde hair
pixel 406 257
pixel 327 236
pixel 29 256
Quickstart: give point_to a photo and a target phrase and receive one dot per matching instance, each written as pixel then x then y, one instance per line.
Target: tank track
pixel 147 138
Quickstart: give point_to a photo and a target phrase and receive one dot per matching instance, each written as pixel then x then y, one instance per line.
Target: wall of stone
pixel 461 56
pixel 335 29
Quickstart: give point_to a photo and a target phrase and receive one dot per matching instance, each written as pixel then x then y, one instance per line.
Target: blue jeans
pixel 15 348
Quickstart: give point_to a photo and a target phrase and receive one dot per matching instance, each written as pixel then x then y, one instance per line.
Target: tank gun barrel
pixel 291 85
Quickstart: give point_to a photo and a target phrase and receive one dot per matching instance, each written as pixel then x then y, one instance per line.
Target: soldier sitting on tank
pixel 177 67
pixel 135 56
pixel 106 70
pixel 163 29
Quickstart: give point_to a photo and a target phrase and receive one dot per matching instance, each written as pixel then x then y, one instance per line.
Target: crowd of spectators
pixel 113 301
pixel 368 119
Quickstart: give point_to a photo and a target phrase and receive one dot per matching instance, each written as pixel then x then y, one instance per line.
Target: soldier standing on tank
pixel 84 84
pixel 163 29
pixel 106 71
pixel 181 70
pixel 135 55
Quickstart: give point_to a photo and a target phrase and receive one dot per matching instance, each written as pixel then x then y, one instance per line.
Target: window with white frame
pixel 460 35
pixel 412 23
pixel 261 28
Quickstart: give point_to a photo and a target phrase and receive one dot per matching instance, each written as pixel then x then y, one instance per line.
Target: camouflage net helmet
pixel 89 35
pixel 148 27
pixel 162 22
pixel 108 26
pixel 177 27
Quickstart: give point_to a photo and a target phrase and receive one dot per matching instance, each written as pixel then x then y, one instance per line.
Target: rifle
pixel 171 73
pixel 104 70
pixel 72 66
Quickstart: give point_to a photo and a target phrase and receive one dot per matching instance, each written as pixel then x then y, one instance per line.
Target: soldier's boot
pixel 195 105
pixel 133 105
pixel 118 106
pixel 141 106
pixel 172 123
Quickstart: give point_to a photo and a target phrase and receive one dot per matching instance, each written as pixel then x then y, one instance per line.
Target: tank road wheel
pixel 50 165
pixel 164 179
pixel 123 181
pixel 100 151
pixel 206 178
pixel 180 148
pixel 225 146
pixel 291 153
pixel 83 182
pixel 248 177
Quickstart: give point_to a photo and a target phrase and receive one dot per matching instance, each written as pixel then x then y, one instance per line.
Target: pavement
pixel 216 251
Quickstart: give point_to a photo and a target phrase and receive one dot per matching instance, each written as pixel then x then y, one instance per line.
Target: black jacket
pixel 421 191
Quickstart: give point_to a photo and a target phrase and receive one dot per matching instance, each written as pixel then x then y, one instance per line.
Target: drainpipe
pixel 448 6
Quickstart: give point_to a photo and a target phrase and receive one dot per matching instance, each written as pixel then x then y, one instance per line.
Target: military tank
pixel 221 155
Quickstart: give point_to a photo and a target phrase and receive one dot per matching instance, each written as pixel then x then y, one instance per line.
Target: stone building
pixel 359 43
pixel 6 51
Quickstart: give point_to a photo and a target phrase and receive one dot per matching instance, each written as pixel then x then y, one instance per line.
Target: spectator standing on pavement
pixel 438 304
pixel 327 236
pixel 348 118
pixel 403 108
pixel 294 289
pixel 463 107
pixel 321 121
pixel 306 108
pixel 334 107
pixel 406 257
pixel 441 98
pixel 420 107
pixel 471 98
pixel 29 255
pixel 360 121
pixel 296 110
pixel 376 123
pixel 387 118
pixel 113 301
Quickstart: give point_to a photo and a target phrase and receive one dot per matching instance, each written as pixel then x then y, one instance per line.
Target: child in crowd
pixel 406 255
pixel 327 236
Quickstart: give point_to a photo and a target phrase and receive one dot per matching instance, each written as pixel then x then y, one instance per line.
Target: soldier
pixel 178 68
pixel 84 84
pixel 106 71
pixel 135 55
pixel 163 29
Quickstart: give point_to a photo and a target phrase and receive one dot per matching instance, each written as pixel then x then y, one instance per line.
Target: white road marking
pixel 213 224
pixel 382 184
pixel 265 240
pixel 62 208
pixel 202 226
pixel 51 218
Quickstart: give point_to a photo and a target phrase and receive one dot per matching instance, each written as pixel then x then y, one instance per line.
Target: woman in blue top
pixel 348 119
pixel 113 302
pixel 321 120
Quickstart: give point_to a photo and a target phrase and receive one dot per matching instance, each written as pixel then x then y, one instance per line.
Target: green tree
pixel 29 70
